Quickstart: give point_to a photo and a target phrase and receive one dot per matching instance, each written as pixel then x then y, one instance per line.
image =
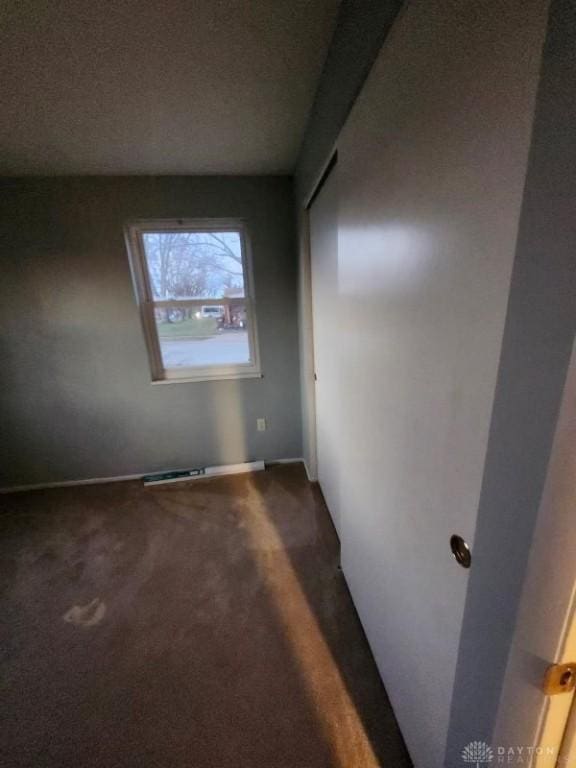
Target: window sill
pixel 209 377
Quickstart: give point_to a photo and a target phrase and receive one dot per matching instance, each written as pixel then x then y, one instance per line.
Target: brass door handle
pixel 559 678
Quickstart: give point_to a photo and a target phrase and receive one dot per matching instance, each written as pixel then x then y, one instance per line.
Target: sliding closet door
pixel 327 329
pixel 431 170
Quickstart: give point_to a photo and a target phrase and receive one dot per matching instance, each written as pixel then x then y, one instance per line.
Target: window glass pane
pixel 203 336
pixel 193 265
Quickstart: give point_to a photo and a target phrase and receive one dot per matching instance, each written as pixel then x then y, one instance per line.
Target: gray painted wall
pixel 538 338
pixel 76 395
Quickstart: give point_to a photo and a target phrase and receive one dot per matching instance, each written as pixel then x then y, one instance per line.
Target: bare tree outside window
pixel 194 289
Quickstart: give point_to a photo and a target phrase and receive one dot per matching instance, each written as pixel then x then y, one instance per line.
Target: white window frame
pixel 134 232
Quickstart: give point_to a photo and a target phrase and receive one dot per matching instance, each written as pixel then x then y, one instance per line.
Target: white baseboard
pixel 114 479
pixel 69 483
pixel 311 479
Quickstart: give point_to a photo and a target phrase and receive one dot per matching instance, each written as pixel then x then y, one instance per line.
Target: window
pixel 193 284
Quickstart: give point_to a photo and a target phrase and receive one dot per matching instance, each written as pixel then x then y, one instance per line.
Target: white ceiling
pixel 158 86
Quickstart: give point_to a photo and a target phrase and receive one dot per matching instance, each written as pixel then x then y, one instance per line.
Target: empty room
pixel 288 384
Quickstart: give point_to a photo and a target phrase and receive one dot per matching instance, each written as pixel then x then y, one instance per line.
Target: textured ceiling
pixel 158 86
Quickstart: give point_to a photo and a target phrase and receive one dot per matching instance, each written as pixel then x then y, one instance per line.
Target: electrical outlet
pixel 261 425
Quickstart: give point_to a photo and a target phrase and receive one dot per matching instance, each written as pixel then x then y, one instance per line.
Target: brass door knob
pixel 559 678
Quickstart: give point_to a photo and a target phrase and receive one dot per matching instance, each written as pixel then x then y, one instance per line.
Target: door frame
pixel 307 362
pixel 545 631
